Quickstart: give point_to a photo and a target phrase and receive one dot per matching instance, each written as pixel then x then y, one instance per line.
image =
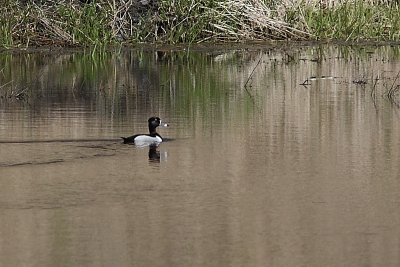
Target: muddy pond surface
pixel 276 158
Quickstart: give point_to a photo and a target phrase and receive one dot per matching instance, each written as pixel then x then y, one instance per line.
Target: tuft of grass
pixel 87 25
pixel 353 21
pixel 6 39
pixel 175 22
pixel 251 20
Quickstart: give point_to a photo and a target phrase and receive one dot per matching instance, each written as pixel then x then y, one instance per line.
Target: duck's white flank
pixel 142 140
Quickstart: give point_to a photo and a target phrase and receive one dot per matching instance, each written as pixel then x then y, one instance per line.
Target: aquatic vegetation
pixel 100 23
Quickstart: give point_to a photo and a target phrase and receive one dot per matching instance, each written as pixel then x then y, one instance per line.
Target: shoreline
pixel 267 45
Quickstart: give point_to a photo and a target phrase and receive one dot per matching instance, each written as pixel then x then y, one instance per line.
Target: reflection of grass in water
pixel 183 83
pixel 201 86
pixel 373 68
pixel 380 81
pixel 48 75
pixel 188 83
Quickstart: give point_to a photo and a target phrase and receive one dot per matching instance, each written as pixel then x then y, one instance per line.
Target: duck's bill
pixel 162 125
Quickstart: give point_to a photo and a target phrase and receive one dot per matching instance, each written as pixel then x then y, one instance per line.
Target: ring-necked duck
pixel 147 139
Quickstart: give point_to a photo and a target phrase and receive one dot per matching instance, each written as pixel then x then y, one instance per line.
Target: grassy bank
pixel 107 22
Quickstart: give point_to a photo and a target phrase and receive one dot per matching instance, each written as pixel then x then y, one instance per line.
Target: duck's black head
pixel 154 122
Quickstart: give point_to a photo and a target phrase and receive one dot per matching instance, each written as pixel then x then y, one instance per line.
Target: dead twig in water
pixel 248 79
pixel 252 72
pixel 361 82
pixel 14 95
pixel 373 92
pixel 1 86
pixel 246 87
pixel 305 83
pixel 391 93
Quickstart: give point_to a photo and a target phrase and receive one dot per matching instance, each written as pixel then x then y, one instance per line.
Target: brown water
pixel 273 173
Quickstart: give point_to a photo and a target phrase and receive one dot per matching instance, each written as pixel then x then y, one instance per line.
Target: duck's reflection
pixel 154 154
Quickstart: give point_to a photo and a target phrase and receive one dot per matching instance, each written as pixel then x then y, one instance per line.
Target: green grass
pixel 103 22
pixel 6 39
pixel 175 22
pixel 87 25
pixel 354 21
